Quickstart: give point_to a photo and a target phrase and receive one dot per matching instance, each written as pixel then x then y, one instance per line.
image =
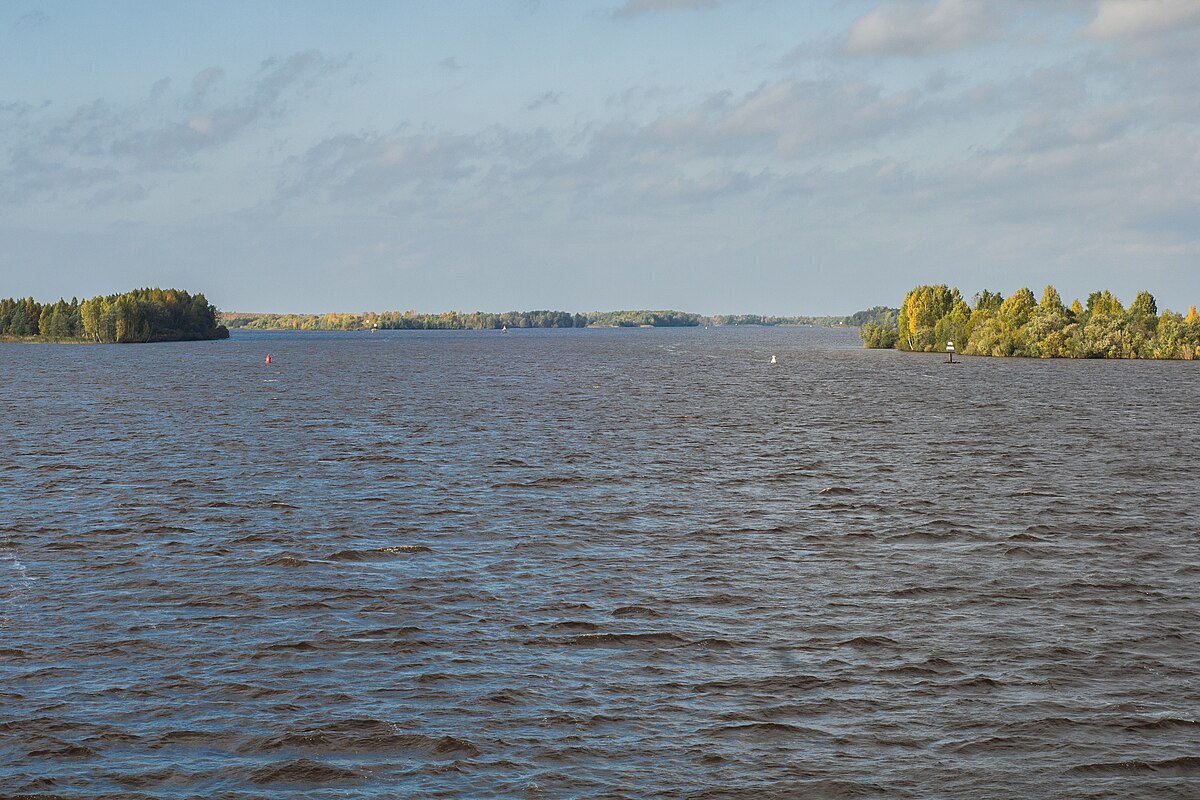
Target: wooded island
pixel 143 315
pixel 1019 325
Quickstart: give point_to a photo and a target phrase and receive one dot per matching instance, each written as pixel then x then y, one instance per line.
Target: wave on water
pixel 558 565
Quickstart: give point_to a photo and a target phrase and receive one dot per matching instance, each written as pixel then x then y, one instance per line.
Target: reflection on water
pixel 620 563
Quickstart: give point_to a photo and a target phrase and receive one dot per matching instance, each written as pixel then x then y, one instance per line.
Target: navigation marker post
pixel 949 352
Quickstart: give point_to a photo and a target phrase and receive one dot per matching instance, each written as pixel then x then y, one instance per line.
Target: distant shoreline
pixel 834 326
pixel 485 320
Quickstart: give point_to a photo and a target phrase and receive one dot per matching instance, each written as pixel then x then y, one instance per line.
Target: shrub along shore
pixel 1019 325
pixel 143 315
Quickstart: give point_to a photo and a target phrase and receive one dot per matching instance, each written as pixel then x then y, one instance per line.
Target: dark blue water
pixel 598 563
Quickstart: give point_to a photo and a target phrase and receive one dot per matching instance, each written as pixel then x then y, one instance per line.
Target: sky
pixel 716 156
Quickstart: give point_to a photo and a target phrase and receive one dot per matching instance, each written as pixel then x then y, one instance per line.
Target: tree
pixel 1103 303
pixel 878 336
pixel 1045 335
pixel 1014 312
pixel 1143 306
pixel 1170 336
pixel 919 315
pixel 1051 301
pixel 988 301
pixel 91 312
pixel 953 326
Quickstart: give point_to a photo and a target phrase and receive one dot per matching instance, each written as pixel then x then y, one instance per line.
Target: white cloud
pixel 913 29
pixel 363 168
pixel 201 125
pixel 789 118
pixel 1121 18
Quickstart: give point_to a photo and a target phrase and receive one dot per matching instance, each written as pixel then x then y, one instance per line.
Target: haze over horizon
pixel 715 156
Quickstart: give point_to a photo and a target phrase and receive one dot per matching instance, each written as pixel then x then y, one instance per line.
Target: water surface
pixel 598 563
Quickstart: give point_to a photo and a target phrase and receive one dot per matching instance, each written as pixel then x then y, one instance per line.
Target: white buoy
pixel 949 352
pixel 773 361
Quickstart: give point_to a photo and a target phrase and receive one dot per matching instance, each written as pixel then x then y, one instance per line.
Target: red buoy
pixel 268 360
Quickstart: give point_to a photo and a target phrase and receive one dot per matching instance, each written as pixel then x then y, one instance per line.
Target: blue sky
pixel 713 155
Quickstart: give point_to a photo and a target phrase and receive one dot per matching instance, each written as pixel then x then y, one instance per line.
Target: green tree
pixel 1045 335
pixel 1170 337
pixel 1143 306
pixel 919 315
pixel 1014 312
pixel 953 326
pixel 1103 303
pixel 878 336
pixel 1051 301
pixel 988 301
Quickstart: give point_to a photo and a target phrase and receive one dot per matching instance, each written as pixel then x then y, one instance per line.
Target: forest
pixel 142 315
pixel 1020 325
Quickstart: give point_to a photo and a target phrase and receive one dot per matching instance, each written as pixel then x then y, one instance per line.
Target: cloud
pixel 32 19
pixel 1130 18
pixel 789 118
pixel 102 146
pixel 212 125
pixel 716 147
pixel 634 7
pixel 363 168
pixel 205 80
pixel 159 89
pixel 544 99
pixel 912 28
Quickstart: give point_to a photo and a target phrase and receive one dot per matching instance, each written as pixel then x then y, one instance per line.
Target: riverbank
pixel 4 339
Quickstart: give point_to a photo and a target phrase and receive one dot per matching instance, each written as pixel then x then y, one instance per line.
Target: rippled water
pixel 595 563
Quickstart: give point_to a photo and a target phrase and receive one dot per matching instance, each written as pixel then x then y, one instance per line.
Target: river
pixel 595 563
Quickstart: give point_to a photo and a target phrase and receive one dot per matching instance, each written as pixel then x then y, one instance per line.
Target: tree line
pixel 481 320
pixel 142 315
pixel 407 320
pixel 642 318
pixel 1020 325
pixel 766 320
